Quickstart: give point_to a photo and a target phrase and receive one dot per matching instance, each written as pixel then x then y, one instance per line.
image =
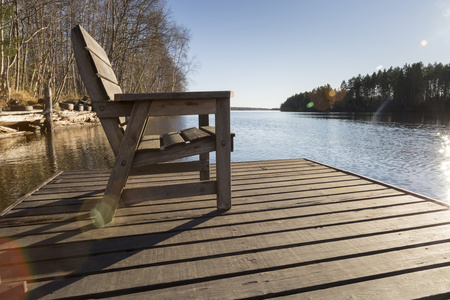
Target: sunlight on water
pixel 400 150
pixel 445 165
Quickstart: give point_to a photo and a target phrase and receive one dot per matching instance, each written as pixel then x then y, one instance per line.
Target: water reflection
pixel 411 151
pixel 28 161
pixel 406 119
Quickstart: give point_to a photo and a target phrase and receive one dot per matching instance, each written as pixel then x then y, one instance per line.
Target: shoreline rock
pixel 6 132
pixel 66 118
pixel 21 123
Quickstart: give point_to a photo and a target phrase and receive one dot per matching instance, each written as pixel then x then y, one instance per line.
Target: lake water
pixel 409 151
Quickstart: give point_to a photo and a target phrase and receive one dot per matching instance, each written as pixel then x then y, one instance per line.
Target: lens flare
pixel 446 13
pixel 310 104
pixel 16 258
pixel 332 93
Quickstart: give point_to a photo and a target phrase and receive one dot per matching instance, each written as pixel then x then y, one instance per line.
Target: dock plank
pixel 297 229
pixel 247 247
pixel 336 212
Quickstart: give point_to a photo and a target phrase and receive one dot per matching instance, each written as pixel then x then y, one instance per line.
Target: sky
pixel 268 50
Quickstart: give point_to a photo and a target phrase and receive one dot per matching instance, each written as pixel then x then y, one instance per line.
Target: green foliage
pixel 6 14
pixel 323 98
pixel 9 45
pixel 298 102
pixel 412 88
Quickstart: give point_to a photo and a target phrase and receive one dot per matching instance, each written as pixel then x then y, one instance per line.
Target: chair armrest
pixel 173 96
pixel 164 104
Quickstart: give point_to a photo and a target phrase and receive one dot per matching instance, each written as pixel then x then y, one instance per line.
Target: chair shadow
pixel 95 246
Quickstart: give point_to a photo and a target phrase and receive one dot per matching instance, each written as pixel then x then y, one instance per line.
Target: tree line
pixel 147 49
pixel 412 88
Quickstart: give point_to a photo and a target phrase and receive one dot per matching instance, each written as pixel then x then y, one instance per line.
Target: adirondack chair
pixel 139 154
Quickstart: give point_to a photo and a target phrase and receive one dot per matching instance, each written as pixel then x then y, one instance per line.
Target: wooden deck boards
pixel 297 229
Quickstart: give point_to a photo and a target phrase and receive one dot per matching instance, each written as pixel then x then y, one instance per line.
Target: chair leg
pixel 104 211
pixel 204 160
pixel 223 184
pixel 223 155
pixel 203 120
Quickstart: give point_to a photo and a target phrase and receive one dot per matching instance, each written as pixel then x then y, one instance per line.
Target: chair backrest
pixel 99 79
pixel 94 67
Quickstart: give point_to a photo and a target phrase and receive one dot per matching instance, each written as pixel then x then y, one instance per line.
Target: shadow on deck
pixel 297 228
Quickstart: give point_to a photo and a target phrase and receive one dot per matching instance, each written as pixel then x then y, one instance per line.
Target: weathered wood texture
pixel 13 291
pixel 159 107
pixel 297 229
pixel 119 175
pixel 175 96
pixel 91 60
pixel 48 107
pixel 101 83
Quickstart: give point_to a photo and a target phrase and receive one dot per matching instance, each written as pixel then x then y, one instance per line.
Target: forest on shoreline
pixel 147 48
pixel 412 88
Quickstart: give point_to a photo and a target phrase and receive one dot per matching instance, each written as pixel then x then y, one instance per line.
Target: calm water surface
pixel 410 151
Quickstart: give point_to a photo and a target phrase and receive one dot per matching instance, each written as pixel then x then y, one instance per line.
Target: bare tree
pixel 148 50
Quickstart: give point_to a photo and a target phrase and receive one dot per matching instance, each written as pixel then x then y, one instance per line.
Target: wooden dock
pixel 297 229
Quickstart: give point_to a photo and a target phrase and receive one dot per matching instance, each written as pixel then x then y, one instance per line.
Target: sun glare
pixel 424 43
pixel 445 165
pixel 446 13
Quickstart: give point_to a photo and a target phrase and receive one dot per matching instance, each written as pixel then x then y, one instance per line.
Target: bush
pixel 24 98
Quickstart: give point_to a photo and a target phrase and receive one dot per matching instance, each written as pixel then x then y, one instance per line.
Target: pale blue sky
pixel 266 51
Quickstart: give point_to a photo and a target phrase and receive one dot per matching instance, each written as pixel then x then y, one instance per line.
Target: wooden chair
pixel 139 154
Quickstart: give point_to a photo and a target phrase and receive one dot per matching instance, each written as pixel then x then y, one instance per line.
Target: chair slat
pixel 212 130
pixel 193 134
pixel 103 70
pixel 84 62
pixel 94 47
pixel 150 142
pixel 100 90
pixel 172 138
pixel 94 65
pixel 107 76
pixel 110 88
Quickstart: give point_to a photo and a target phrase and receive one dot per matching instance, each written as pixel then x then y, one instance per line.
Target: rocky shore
pixel 22 123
